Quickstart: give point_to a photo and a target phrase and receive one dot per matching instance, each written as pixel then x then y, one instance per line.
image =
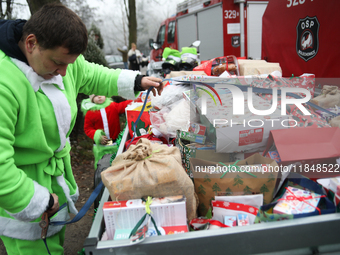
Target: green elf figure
pixel 102 123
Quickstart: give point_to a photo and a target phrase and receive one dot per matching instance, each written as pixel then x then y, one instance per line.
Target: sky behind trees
pixel 109 17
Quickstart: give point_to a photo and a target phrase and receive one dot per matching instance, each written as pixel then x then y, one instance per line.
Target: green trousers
pixel 24 247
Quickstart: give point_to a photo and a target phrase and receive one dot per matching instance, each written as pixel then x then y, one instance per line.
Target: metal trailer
pixel 311 235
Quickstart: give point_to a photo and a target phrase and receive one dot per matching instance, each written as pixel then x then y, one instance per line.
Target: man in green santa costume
pixel 42 71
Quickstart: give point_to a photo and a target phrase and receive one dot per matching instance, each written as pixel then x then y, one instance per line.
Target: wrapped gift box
pixel 297 201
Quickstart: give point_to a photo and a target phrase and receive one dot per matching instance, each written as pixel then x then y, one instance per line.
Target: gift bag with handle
pixel 210 183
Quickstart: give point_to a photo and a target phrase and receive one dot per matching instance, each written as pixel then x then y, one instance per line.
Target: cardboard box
pixel 241 138
pixel 274 155
pixel 239 133
pixel 254 67
pixel 173 74
pixel 230 221
pixel 211 155
pixel 124 215
pixel 315 150
pixel 192 137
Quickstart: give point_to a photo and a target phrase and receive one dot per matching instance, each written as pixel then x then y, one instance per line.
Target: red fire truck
pixel 300 35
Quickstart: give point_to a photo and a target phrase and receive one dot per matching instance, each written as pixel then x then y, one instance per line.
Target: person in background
pixel 41 73
pixel 124 52
pixel 134 57
pixel 102 123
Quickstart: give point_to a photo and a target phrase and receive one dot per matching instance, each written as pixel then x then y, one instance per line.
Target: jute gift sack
pixel 330 97
pixel 335 122
pixel 148 169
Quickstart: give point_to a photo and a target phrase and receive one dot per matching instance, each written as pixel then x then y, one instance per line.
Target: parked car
pixel 115 61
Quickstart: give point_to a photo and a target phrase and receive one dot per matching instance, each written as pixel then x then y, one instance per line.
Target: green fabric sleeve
pixel 97 136
pixel 91 77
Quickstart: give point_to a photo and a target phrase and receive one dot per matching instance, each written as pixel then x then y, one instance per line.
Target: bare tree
pixel 35 5
pixel 130 9
pixel 83 10
pixel 6 13
pixel 124 31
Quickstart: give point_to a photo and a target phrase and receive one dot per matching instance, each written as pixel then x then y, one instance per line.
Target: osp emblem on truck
pixel 307 41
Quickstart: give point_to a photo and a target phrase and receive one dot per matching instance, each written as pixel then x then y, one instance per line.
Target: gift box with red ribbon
pixel 267 212
pixel 296 201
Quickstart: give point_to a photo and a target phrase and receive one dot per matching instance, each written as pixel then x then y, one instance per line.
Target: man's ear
pixel 30 43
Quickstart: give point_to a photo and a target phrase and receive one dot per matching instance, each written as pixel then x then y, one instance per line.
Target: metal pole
pixel 242 26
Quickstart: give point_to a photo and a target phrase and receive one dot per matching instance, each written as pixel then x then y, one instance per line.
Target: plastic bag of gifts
pixel 298 197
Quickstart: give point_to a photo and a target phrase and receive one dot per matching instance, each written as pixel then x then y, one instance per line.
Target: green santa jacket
pixel 36 120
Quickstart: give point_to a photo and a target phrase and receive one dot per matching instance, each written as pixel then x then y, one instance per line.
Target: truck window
pixel 171 31
pixel 161 35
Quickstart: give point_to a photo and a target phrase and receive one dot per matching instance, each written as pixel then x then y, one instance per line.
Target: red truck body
pixel 300 35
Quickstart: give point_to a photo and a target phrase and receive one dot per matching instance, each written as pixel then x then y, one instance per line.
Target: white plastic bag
pixel 174 117
pixel 170 95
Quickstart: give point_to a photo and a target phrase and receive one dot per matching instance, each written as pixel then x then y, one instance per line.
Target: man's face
pixel 49 62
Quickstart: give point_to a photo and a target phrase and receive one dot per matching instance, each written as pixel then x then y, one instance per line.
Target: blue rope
pixel 83 210
pixel 45 242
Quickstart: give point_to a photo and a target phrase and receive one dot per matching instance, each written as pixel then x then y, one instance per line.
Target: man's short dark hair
pixel 55 25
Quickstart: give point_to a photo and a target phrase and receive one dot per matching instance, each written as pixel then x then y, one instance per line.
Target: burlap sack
pixel 335 122
pixel 147 169
pixel 330 97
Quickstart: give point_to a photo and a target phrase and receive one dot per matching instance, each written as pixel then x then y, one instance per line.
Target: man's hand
pixel 104 140
pixel 55 206
pixel 149 81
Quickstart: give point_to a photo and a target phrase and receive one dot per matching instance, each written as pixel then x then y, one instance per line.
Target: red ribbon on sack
pixel 301 199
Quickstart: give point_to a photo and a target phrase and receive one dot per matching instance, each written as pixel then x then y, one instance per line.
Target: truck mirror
pixel 196 43
pixel 150 43
pixel 156 46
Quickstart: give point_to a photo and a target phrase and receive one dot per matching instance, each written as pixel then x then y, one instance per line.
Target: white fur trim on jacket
pixel 75 196
pixel 36 206
pixel 30 230
pixel 66 189
pixel 126 83
pixel 61 107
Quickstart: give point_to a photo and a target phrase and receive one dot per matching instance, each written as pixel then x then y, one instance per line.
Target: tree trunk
pixel 132 22
pixel 37 4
